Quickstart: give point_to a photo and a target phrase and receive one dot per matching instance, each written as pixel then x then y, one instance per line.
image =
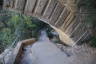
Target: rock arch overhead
pixel 59 14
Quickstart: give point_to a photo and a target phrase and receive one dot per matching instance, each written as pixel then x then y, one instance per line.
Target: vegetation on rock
pixel 15 26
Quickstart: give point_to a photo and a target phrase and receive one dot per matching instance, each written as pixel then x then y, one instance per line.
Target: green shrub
pixel 20 26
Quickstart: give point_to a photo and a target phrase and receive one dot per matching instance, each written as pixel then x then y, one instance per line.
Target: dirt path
pixel 45 52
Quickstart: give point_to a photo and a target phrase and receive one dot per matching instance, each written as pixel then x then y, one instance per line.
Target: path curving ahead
pixel 45 52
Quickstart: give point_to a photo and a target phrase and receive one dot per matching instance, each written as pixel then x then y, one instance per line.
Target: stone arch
pixel 59 14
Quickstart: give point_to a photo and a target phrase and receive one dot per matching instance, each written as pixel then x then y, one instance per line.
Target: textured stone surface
pixel 50 7
pixel 20 5
pixel 30 6
pixel 56 13
pixel 62 18
pixel 40 7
